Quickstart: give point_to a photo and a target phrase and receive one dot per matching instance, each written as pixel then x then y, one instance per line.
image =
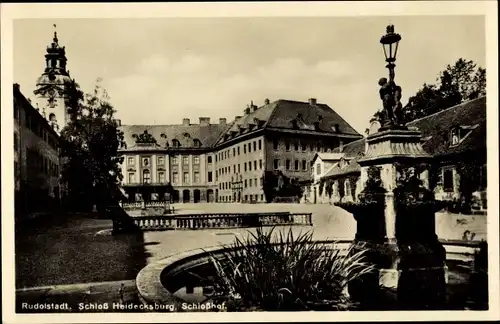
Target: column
pixel 388 175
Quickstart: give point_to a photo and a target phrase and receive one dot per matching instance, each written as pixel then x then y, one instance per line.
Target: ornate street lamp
pixel 390 93
pixel 390 43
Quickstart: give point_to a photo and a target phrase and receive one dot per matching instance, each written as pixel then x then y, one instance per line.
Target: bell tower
pixel 50 86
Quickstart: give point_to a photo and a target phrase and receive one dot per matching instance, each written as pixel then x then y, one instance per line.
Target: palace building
pixel 225 162
pixel 36 159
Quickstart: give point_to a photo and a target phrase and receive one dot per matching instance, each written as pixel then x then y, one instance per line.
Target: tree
pixel 456 83
pixel 90 144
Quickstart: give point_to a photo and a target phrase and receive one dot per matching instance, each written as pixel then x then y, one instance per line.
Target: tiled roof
pixel 435 128
pixel 351 166
pixel 185 134
pixel 281 114
pixel 327 156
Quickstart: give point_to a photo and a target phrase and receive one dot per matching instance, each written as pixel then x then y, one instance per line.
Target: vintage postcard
pixel 309 161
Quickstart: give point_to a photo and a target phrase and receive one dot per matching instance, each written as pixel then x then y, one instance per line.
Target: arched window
pixel 146 176
pixel 196 142
pixel 175 143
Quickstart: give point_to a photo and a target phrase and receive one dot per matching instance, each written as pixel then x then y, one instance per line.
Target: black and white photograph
pixel 314 160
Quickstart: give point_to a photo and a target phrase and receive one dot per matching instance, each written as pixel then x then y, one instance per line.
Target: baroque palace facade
pixel 224 162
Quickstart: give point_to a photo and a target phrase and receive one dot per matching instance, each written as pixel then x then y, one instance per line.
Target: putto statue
pixel 390 93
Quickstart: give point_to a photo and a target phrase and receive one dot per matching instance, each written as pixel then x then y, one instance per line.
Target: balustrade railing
pixel 220 220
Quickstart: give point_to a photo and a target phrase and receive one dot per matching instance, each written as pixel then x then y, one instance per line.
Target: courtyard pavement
pixel 78 260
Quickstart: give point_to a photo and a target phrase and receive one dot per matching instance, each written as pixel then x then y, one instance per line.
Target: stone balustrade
pixel 220 220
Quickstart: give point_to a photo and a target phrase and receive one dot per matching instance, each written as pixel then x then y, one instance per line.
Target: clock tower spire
pixel 50 86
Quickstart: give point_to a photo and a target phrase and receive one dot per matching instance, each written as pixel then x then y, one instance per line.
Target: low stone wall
pixel 461 227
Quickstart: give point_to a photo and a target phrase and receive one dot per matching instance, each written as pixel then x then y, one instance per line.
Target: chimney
pixel 222 121
pixel 185 122
pixel 247 111
pixel 266 101
pixel 118 122
pixel 204 121
pixel 312 101
pixel 16 86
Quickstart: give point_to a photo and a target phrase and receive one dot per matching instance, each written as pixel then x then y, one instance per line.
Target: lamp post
pixel 390 43
pixel 390 93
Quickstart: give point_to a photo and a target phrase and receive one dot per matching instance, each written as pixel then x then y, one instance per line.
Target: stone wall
pixel 461 227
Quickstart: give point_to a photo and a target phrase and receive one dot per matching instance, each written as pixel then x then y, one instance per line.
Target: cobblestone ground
pixel 81 249
pixel 78 261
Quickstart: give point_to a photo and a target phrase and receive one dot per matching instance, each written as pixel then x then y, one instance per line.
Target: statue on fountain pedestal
pixel 390 93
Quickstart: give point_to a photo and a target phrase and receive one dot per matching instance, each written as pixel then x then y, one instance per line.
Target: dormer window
pixel 175 143
pixel 295 124
pixel 187 135
pixel 455 136
pixel 196 143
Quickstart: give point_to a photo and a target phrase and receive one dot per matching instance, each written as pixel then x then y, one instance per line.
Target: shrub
pixel 286 272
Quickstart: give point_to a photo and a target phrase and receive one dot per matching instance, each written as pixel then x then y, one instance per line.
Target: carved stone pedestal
pixel 396 225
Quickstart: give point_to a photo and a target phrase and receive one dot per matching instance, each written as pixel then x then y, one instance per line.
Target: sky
pixel 161 70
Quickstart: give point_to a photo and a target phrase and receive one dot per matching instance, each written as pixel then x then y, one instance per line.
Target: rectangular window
pixel 161 160
pixel 186 177
pixel 196 177
pixel 234 168
pixel 238 149
pixel 161 177
pixel 196 160
pixel 145 161
pixel 275 145
pixel 296 146
pixel 130 160
pixel 209 159
pixel 287 146
pixel 304 165
pixel 276 164
pixel 244 149
pixel 260 164
pixel 234 151
pixel 245 183
pixel 215 157
pixel 287 164
pixel 239 169
pixel 249 147
pixel 261 181
pixel 131 177
pixel 254 146
pixel 255 165
pixel 185 160
pixel 448 179
pixel 296 165
pixel 250 182
pixel 249 166
pixel 209 176
pixel 146 176
pixel 174 160
pixel 260 145
pixel 175 178
pixel 245 167
pixel 318 169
